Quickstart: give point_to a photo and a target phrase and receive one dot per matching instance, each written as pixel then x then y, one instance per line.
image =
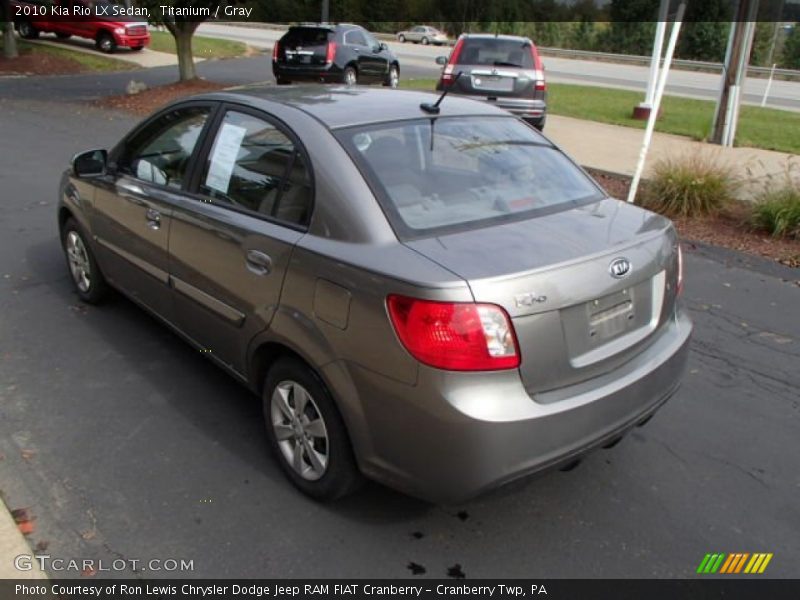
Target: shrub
pixel 778 212
pixel 689 186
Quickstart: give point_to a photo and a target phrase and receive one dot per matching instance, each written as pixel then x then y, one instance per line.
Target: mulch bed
pixel 729 229
pixel 149 100
pixel 39 63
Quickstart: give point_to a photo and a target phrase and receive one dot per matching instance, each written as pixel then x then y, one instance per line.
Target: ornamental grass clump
pixel 690 186
pixel 778 211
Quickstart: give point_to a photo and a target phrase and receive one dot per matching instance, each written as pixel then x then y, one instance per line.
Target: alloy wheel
pixel 79 264
pixel 300 430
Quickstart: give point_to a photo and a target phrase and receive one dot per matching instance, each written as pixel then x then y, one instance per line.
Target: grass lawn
pixel 758 127
pixel 90 62
pixel 203 47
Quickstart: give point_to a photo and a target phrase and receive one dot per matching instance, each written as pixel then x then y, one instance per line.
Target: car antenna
pixel 433 109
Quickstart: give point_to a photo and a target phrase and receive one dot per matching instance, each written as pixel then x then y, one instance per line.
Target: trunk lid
pixel 304 46
pixel 560 277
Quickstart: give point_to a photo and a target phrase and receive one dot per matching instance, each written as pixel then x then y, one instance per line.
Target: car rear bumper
pixel 325 73
pixel 455 435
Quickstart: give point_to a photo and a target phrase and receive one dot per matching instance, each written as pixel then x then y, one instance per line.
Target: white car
pixel 423 34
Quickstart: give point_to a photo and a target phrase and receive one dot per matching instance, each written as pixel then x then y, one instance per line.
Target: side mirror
pixel 441 60
pixel 90 164
pixel 384 46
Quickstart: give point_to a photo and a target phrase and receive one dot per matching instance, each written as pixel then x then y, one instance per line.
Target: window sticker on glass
pixel 223 157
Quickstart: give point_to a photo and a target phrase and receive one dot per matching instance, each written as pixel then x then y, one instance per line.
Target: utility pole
pixel 642 111
pixel 325 10
pixel 734 72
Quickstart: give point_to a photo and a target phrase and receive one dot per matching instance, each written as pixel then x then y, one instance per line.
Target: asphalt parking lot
pixel 126 443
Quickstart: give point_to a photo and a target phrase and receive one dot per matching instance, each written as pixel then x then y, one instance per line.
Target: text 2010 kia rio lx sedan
pixel 442 302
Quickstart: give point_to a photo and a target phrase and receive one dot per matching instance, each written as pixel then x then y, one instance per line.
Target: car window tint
pixel 255 166
pixel 496 52
pixel 355 38
pixel 160 153
pixel 437 174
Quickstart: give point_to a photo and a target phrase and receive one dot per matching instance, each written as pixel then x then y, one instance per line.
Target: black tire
pixel 27 31
pixel 282 81
pixel 425 41
pixel 401 39
pixel 105 43
pixel 393 77
pixel 350 76
pixel 63 36
pixel 97 288
pixel 340 475
pixel 137 48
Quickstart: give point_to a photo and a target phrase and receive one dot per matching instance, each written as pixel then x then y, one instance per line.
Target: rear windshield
pixel 496 52
pixel 307 37
pixel 446 174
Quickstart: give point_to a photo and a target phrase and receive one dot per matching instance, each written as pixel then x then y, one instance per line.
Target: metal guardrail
pixel 692 65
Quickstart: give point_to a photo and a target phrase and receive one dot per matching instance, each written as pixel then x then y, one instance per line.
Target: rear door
pixel 134 203
pixel 304 47
pixel 231 242
pixel 496 67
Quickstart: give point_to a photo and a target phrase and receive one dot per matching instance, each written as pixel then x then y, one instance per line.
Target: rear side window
pixel 496 52
pixel 354 37
pixel 445 174
pixel 256 167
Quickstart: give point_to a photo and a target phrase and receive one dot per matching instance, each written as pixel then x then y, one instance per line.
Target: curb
pixel 13 544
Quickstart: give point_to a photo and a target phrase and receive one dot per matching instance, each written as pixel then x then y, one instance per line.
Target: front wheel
pixel 27 31
pixel 63 36
pixel 392 78
pixel 137 48
pixel 86 276
pixel 105 43
pixel 425 41
pixel 350 76
pixel 307 433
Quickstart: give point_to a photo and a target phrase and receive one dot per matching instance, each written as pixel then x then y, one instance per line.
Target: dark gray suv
pixel 438 299
pixel 326 53
pixel 504 70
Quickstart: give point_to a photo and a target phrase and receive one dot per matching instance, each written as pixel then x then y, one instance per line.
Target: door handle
pixel 258 262
pixel 153 218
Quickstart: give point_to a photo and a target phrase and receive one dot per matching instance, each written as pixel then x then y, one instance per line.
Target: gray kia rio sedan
pixel 436 298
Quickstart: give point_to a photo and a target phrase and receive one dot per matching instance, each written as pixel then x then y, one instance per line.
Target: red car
pixel 110 25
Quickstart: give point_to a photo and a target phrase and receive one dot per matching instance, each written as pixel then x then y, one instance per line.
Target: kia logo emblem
pixel 619 267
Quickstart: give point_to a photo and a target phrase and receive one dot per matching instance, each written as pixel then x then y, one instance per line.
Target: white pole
pixel 658 46
pixel 662 83
pixel 741 71
pixel 769 85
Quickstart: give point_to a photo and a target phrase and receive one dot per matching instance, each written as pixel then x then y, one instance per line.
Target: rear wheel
pixel 402 39
pixel 350 76
pixel 538 123
pixel 86 276
pixel 27 31
pixel 307 433
pixel 63 36
pixel 137 48
pixel 105 43
pixel 425 41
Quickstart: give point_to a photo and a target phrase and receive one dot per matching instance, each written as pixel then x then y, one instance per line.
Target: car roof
pixel 339 106
pixel 491 36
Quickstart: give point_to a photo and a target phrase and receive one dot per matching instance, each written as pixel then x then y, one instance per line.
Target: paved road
pixel 784 94
pixel 124 442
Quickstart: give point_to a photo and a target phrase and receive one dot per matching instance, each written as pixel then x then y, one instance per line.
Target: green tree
pixel 632 27
pixel 790 57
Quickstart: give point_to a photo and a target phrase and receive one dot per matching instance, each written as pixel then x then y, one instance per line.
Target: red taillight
pixel 679 284
pixel 540 84
pixel 447 75
pixel 457 336
pixel 275 51
pixel 330 54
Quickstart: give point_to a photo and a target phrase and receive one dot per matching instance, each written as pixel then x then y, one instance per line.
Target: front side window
pixel 256 167
pixel 443 174
pixel 160 153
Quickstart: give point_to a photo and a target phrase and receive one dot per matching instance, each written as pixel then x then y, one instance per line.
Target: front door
pixel 231 243
pixel 133 204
